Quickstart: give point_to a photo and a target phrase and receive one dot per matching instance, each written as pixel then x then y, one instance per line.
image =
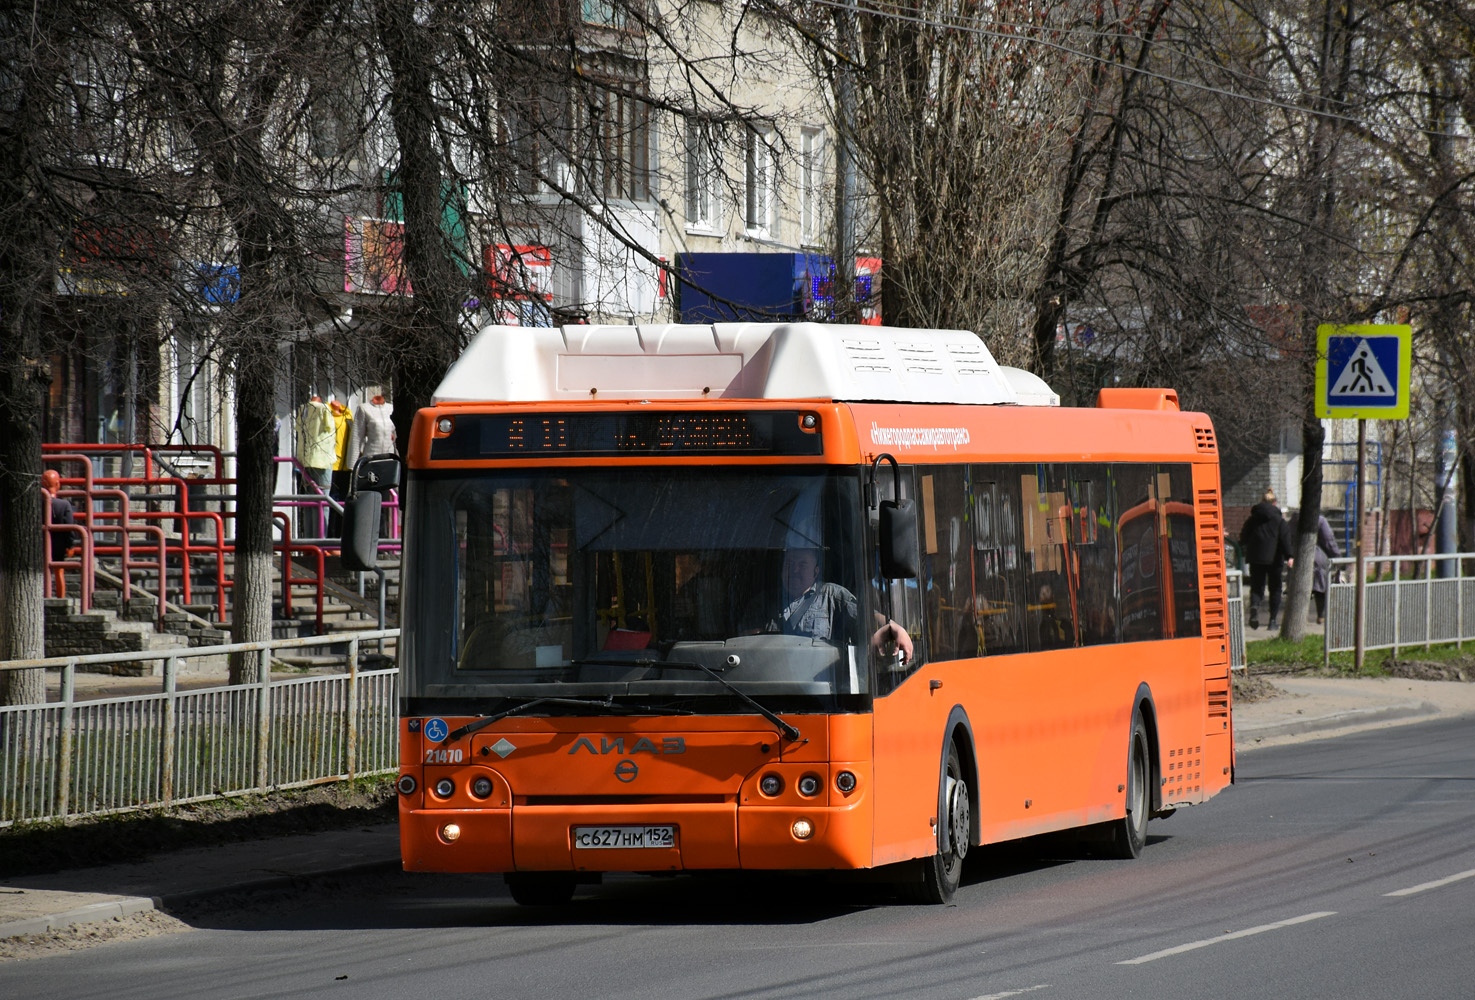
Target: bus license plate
pixel 591 837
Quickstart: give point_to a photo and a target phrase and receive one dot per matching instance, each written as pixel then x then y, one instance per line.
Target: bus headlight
pixel 845 781
pixel 445 788
pixel 770 784
pixel 406 784
pixel 809 786
pixel 802 829
pixel 481 787
pixel 450 833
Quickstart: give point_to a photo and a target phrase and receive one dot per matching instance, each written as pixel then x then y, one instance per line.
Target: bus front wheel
pixel 1129 834
pixel 943 871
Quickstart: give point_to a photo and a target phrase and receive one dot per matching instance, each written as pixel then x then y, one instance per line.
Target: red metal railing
pixel 83 566
pixel 154 491
pixel 125 550
pixel 148 451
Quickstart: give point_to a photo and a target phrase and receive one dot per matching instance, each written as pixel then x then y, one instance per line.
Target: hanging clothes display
pixel 317 443
pixel 342 435
pixel 374 435
pixel 374 427
pixel 342 467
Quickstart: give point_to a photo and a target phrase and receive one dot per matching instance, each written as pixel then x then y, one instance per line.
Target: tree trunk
pixel 1298 595
pixel 22 559
pixel 431 338
pixel 27 264
pixel 251 610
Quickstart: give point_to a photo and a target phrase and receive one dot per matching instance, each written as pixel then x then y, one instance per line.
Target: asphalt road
pixel 1339 868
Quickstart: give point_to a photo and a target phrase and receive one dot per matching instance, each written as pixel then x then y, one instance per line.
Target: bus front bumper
pixel 707 836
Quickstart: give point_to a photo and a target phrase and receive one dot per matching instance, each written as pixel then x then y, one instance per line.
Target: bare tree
pixel 33 67
pixel 232 78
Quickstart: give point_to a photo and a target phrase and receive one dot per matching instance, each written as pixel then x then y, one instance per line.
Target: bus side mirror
pixel 361 531
pixel 379 473
pixel 896 533
pixel 897 541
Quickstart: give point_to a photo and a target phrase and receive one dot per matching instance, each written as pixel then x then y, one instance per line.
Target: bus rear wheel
pixel 540 888
pixel 1128 835
pixel 942 873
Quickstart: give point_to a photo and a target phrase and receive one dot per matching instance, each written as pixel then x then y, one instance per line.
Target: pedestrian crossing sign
pixel 1363 371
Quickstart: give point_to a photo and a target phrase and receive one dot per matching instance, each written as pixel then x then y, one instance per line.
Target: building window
pixel 532 120
pixel 617 114
pixel 702 175
pixel 811 179
pixel 606 12
pixel 760 207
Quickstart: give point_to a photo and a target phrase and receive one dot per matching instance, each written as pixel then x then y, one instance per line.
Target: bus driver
pixel 821 610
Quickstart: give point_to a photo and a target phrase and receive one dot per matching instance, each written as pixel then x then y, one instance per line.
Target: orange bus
pixel 605 666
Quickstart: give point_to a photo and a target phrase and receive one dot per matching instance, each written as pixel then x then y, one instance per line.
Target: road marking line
pixel 1013 993
pixel 1431 885
pixel 1248 932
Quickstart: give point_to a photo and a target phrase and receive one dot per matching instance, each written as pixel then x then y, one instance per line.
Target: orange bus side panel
pixel 1051 732
pixel 1053 739
pixel 908 756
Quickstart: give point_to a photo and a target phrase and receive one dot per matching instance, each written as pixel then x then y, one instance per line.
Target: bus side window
pixel 1180 558
pixel 947 545
pixel 998 592
pixel 900 598
pixel 1093 553
pixel 1137 552
pixel 1049 596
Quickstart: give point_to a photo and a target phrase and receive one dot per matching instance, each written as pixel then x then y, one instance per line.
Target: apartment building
pixel 663 162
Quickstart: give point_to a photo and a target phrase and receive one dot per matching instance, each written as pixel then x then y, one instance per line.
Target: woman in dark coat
pixel 1263 539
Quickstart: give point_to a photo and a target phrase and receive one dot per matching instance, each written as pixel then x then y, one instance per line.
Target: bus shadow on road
pixel 995 862
pixel 393 900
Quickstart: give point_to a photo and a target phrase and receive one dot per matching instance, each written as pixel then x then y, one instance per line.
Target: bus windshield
pixel 625 581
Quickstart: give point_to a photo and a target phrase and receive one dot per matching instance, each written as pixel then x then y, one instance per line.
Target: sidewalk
pixel 1310 707
pixel 39 904
pixel 1315 707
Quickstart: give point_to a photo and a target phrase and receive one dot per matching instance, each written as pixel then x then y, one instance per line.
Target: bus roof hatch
pixel 852 363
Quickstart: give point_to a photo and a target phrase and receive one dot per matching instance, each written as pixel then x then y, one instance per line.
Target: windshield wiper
pixel 478 724
pixel 790 733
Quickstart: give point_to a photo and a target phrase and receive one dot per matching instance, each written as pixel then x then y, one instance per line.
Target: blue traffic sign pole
pixel 1362 371
pixel 1359 605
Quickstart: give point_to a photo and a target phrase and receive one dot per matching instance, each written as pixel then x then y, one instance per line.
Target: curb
pixel 126 906
pixel 92 913
pixel 1334 720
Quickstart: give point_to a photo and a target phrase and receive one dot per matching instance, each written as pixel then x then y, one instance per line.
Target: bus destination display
pixel 574 435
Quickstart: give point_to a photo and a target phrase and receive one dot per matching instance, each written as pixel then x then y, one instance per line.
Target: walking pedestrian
pixel 1263 539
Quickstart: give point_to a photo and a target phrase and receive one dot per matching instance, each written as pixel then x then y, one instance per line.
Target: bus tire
pixel 1128 835
pixel 943 871
pixel 541 888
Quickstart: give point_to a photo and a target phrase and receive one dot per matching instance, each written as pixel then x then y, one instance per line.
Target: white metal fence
pixel 72 758
pixel 1413 606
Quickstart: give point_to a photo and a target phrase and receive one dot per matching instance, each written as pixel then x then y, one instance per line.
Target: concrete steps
pixel 114 625
pixel 71 632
